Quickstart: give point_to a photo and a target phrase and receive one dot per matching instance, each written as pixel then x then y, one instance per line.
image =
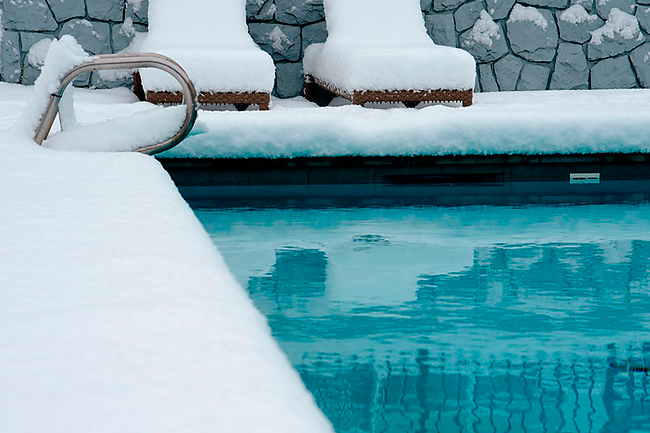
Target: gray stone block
pixel 485 41
pixel 94 37
pixel 467 14
pixel 534 41
pixel 446 5
pixel 560 4
pixel 314 34
pixel 29 16
pixel 426 5
pixel 106 10
pixel 571 68
pixel 643 16
pixel 138 11
pixel 66 9
pixel 122 34
pixel 499 9
pixel 533 77
pixel 643 2
pixel 602 46
pixel 604 7
pixel 508 71
pixel 99 83
pixel 260 10
pixel 82 80
pixel 30 73
pixel 613 74
pixel 282 42
pixel 487 78
pixel 289 79
pixel 441 28
pixel 641 63
pixel 10 54
pixel 28 39
pixel 577 28
pixel 299 11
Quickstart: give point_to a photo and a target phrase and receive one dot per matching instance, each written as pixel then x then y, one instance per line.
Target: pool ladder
pixel 128 61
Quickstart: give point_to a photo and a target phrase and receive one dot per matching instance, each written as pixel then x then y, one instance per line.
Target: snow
pixel 222 57
pixel 121 74
pixel 484 31
pixel 63 55
pixel 577 14
pixel 38 51
pixel 2 30
pixel 127 28
pixel 618 24
pixel 117 314
pixel 528 13
pixel 136 4
pixel 546 122
pixel 383 45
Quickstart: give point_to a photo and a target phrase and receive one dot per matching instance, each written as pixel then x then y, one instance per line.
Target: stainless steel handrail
pixel 128 61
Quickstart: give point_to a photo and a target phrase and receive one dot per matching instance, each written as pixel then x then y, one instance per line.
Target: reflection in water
pixel 538 336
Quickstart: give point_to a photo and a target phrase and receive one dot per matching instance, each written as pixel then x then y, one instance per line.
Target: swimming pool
pixel 455 318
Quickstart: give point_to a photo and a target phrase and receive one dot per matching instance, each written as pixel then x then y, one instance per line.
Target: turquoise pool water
pixel 455 319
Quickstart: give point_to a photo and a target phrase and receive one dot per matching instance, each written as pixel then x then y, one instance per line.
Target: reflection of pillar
pixel 421 388
pixel 559 398
pixel 298 274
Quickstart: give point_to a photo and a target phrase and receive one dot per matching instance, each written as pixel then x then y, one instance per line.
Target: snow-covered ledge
pixel 117 313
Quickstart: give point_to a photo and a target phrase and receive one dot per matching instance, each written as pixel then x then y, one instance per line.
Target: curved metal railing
pixel 128 61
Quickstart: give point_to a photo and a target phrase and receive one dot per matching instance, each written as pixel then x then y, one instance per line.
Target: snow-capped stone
pixel 280 41
pixel 619 34
pixel 604 7
pixel 532 33
pixel 485 40
pixel 576 24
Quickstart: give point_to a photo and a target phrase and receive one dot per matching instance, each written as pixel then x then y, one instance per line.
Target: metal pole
pixel 128 61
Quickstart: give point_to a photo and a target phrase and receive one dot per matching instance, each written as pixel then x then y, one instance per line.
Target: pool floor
pixel 499 318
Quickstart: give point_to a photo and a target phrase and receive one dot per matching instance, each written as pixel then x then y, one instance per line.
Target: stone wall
pixel 518 44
